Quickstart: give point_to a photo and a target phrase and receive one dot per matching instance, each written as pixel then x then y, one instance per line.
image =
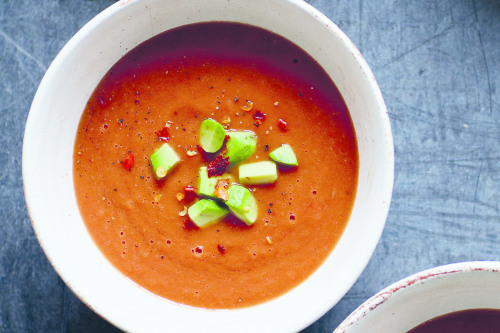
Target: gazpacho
pixel 216 165
pixel 465 321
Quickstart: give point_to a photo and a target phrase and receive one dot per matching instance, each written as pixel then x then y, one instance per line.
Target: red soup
pixel 244 78
pixel 467 321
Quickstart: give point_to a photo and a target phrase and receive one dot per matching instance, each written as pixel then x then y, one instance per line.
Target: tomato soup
pixel 246 79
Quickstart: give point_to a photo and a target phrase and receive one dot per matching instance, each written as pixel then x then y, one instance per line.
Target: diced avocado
pixel 264 172
pixel 284 155
pixel 212 135
pixel 206 212
pixel 240 146
pixel 242 204
pixel 206 185
pixel 164 159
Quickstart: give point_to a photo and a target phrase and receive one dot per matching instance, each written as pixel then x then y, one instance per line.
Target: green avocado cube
pixel 206 185
pixel 240 146
pixel 163 160
pixel 242 204
pixel 212 135
pixel 284 155
pixel 264 172
pixel 205 213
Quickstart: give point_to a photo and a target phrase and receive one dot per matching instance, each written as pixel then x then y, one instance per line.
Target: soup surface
pixel 468 321
pixel 162 90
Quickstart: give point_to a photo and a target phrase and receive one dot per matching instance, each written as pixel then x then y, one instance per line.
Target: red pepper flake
pixel 282 125
pixel 221 193
pixel 222 249
pixel 221 188
pixel 189 225
pixel 292 217
pixel 189 193
pixel 198 249
pixel 163 134
pixel 217 166
pixel 259 115
pixel 128 163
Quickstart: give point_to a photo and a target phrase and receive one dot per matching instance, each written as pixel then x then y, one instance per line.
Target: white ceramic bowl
pixel 426 295
pixel 48 180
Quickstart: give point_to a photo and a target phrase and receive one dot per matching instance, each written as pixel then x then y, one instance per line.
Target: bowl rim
pixel 414 281
pixel 296 323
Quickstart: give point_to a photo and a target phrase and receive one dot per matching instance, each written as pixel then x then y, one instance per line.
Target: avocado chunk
pixel 212 135
pixel 240 146
pixel 264 172
pixel 284 155
pixel 163 160
pixel 242 204
pixel 205 213
pixel 206 185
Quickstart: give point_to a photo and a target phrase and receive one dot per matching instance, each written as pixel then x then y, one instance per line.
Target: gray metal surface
pixel 438 66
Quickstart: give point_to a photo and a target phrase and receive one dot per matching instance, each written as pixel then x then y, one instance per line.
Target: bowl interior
pixel 426 295
pixel 51 130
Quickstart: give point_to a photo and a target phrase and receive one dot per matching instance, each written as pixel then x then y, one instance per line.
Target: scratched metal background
pixel 438 66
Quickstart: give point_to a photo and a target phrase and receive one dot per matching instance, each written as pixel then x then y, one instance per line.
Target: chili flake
pixel 282 125
pixel 189 193
pixel 163 134
pixel 259 115
pixel 221 249
pixel 217 166
pixel 128 162
pixel 189 225
pixel 221 189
